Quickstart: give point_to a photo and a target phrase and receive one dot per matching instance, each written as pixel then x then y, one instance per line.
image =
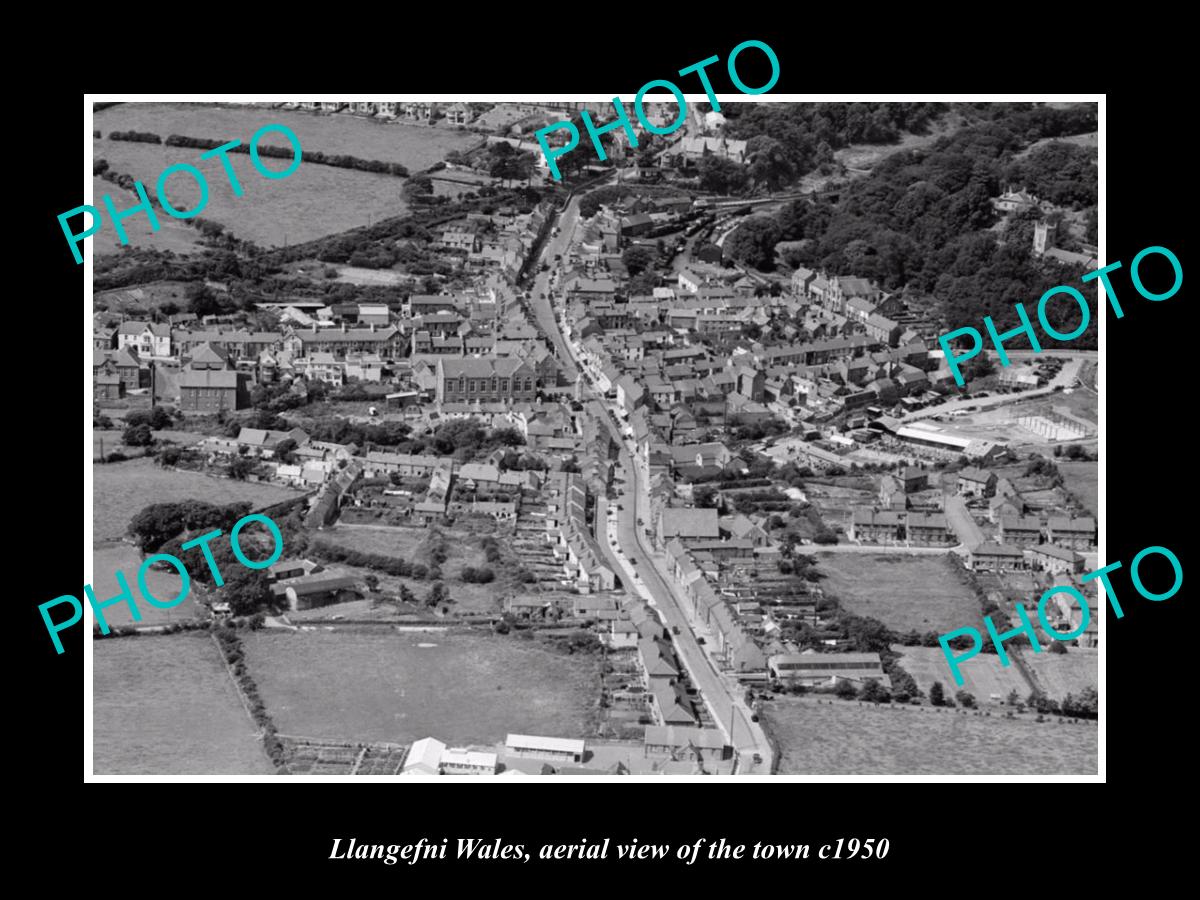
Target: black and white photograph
pixel 518 438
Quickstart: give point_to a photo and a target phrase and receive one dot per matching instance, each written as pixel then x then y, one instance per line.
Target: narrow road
pixel 540 294
pixel 963 523
pixel 630 554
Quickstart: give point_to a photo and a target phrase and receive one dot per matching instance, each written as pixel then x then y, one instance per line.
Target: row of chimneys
pixel 315 329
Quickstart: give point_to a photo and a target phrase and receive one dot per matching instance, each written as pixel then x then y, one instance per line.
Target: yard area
pixel 384 686
pixel 312 202
pixel 1083 480
pixel 1066 673
pixel 904 592
pixel 413 544
pixel 109 439
pixel 414 146
pixel 166 706
pixel 144 296
pixel 982 675
pixel 110 557
pixel 846 738
pixel 120 490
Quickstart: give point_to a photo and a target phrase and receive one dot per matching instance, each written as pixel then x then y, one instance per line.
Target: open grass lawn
pixel 120 490
pixel 382 686
pixel 848 739
pixel 109 558
pixel 982 675
pixel 414 146
pixel 172 234
pixel 1083 480
pixel 1066 673
pixel 903 592
pixel 312 202
pixel 166 706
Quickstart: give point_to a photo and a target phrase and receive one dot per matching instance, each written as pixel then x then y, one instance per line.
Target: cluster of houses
pixel 411 112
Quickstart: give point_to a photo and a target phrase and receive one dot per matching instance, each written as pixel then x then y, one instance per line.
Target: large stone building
pixel 487 380
pixel 208 383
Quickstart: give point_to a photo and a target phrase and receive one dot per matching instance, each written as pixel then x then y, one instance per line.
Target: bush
pixel 965 699
pixel 144 137
pixel 482 575
pixel 846 690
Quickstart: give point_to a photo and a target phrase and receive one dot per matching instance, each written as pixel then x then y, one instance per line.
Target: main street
pixel 630 554
pixel 540 294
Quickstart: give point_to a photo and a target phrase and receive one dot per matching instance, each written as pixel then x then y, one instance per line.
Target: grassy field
pixel 848 739
pixel 903 592
pixel 108 558
pixel 312 202
pixel 414 146
pixel 120 490
pixel 982 676
pixel 166 706
pixel 1066 673
pixel 172 234
pixel 460 688
pixel 145 296
pixel 110 438
pixel 1082 479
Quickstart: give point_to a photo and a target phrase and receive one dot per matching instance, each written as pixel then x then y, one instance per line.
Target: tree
pixel 721 175
pixel 1058 647
pixel 965 699
pixel 285 451
pixel 201 300
pixel 1085 706
pixel 240 468
pixel 246 592
pixel 406 594
pixel 138 436
pixel 937 695
pixel 754 242
pixel 874 692
pixel 637 259
pixel 769 162
pixel 825 536
pixel 846 690
pixel 437 594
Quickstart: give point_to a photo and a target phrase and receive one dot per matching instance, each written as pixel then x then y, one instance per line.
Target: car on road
pixel 754 718
pixel 632 561
pixel 699 640
pixel 675 629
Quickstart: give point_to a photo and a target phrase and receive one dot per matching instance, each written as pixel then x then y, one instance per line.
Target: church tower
pixel 1041 238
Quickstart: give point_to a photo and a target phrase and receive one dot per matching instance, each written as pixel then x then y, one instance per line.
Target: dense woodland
pixel 922 219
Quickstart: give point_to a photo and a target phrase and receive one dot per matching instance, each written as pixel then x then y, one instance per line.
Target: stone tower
pixel 1041 238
